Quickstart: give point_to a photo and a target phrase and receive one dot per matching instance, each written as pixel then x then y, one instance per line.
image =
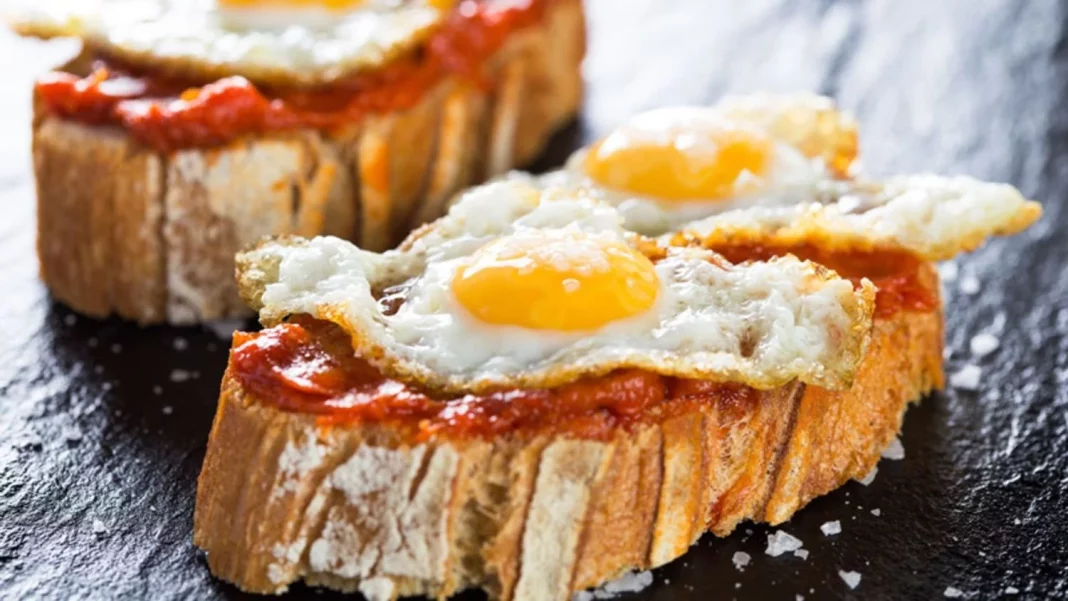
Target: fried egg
pixel 931 216
pixel 520 287
pixel 673 165
pixel 279 41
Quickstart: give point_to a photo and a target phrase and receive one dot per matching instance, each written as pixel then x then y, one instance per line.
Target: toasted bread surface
pixel 150 236
pixel 535 517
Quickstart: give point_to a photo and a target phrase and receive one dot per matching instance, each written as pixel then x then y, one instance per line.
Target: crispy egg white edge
pixel 202 38
pixel 933 216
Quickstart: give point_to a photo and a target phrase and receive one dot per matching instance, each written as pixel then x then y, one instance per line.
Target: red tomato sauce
pixel 897 274
pixel 171 114
pixel 308 367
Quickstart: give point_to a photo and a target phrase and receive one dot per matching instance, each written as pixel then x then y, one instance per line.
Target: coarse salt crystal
pixel 831 528
pixel 167 410
pixel 99 527
pixel 782 542
pixel 180 375
pixel 180 344
pixel 157 390
pixel 983 344
pixel 952 593
pixel 852 579
pixel 894 451
pixel 802 553
pixel 628 583
pixel 876 512
pixel 967 378
pixel 969 285
pixel 948 271
pixel 868 479
pixel 1011 590
pixel 740 559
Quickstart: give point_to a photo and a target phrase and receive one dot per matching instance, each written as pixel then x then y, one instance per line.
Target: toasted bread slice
pixel 126 230
pixel 361 508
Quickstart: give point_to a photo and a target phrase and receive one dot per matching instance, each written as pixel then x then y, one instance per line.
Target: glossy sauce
pixel 308 367
pixel 896 274
pixel 171 114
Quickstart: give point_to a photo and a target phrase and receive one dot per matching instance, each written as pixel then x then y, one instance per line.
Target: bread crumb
pixel 98 527
pixel 952 593
pixel 876 512
pixel 852 579
pixel 894 451
pixel 970 285
pixel 180 344
pixel 831 528
pixel 741 559
pixel 781 542
pixel 868 479
pixel 967 378
pixel 983 344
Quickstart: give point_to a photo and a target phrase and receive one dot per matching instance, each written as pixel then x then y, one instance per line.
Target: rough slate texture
pixel 104 424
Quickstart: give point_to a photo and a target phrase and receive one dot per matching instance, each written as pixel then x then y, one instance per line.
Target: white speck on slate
pixel 799 598
pixel 952 593
pixel 157 390
pixel 967 378
pixel 99 527
pixel 99 369
pixel 970 285
pixel 72 434
pixel 781 542
pixel 1011 480
pixel 116 348
pixel 983 344
pixel 802 553
pixel 1016 521
pixel 70 319
pixel 894 451
pixel 1011 590
pixel 167 410
pixel 868 479
pixel 180 375
pixel 180 344
pixel 876 512
pixel 92 342
pixel 831 528
pixel 948 271
pixel 852 579
pixel 740 559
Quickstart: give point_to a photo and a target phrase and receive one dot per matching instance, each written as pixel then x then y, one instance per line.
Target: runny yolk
pixel 561 281
pixel 683 153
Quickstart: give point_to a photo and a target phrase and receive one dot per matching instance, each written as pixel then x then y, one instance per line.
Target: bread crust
pixel 150 236
pixel 536 518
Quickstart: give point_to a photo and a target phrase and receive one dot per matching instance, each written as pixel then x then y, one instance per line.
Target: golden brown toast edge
pixel 126 230
pixel 354 508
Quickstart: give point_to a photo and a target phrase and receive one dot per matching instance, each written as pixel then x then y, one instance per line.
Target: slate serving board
pixel 103 425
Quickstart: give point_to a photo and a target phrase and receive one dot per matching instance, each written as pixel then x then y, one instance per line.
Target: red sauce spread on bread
pixel 898 274
pixel 170 114
pixel 309 367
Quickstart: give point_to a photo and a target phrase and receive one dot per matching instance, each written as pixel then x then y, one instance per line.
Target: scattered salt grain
pixel 72 434
pixel 157 390
pixel 116 348
pixel 782 542
pixel 969 285
pixel 740 559
pixel 952 593
pixel 967 378
pixel 92 342
pixel 948 271
pixel 180 344
pixel 70 319
pixel 876 512
pixel 831 528
pixel 99 527
pixel 852 579
pixel 983 344
pixel 802 553
pixel 866 480
pixel 628 583
pixel 799 598
pixel 1011 590
pixel 167 410
pixel 180 375
pixel 894 451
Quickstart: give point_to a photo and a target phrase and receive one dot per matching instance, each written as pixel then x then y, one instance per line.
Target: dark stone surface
pixel 95 427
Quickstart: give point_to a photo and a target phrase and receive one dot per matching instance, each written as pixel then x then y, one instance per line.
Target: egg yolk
pixel 680 154
pixel 562 281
